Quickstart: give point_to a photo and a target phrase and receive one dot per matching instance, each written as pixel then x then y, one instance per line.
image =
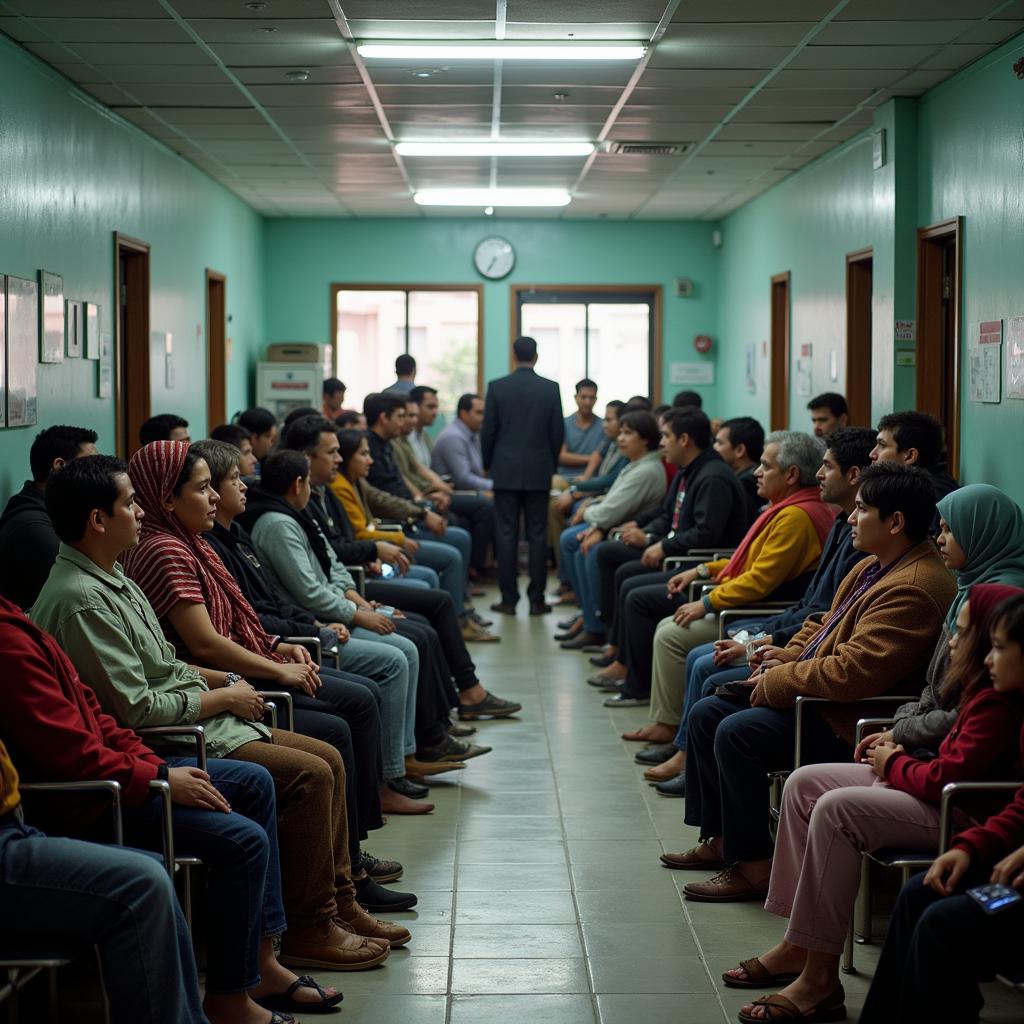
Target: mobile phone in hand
pixel 994 897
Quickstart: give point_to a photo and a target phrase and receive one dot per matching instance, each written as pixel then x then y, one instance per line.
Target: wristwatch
pixel 703 572
pixel 231 678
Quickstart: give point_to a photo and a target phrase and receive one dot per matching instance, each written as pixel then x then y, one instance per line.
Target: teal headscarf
pixel 989 527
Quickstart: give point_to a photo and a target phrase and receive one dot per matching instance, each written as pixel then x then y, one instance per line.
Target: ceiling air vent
pixel 647 148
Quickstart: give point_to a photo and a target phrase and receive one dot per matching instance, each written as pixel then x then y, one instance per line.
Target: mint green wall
pixel 71 173
pixel 971 164
pixel 305 256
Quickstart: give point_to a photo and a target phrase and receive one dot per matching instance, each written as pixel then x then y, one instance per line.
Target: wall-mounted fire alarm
pixel 684 288
pixel 702 343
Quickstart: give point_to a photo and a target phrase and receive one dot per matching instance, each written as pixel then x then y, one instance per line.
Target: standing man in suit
pixel 521 439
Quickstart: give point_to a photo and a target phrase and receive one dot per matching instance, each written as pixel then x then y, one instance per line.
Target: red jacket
pixel 981 745
pixel 51 721
pixel 1001 834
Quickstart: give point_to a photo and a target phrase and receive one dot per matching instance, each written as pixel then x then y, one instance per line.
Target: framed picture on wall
pixel 92 331
pixel 51 314
pixel 74 327
pixel 105 366
pixel 23 329
pixel 3 350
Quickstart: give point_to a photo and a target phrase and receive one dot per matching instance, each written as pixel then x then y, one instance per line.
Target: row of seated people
pixel 886 611
pixel 196 584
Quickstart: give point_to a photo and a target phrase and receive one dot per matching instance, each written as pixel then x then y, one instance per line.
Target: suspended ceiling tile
pixel 784 115
pixel 862 56
pixel 582 11
pixel 148 74
pixel 582 32
pixel 366 29
pixel 723 147
pixel 285 30
pixel 992 32
pixel 685 132
pixel 842 132
pixel 708 78
pixel 211 115
pixel 594 95
pixel 848 98
pixel 73 8
pixel 690 95
pixel 225 95
pixel 768 33
pixel 565 76
pixel 304 94
pixel 1012 11
pixel 683 54
pixel 431 95
pixel 337 74
pixel 122 53
pixel 285 53
pixel 565 115
pixel 752 10
pixel 922 79
pixel 125 30
pixel 324 116
pixel 110 95
pixel 23 31
pixel 422 10
pixel 952 58
pixel 891 33
pixel 390 72
pixel 913 10
pixel 831 78
pixel 271 11
pixel 740 131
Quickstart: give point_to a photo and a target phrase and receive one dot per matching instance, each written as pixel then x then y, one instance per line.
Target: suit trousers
pixel 509 508
pixel 937 950
pixel 731 750
pixel 475 513
pixel 644 603
pixel 616 563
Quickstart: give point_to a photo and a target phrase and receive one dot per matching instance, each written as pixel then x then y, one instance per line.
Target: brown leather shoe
pixel 729 886
pixel 701 857
pixel 331 947
pixel 421 768
pixel 661 772
pixel 352 916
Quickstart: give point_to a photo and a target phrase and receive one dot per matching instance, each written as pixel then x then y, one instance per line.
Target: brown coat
pixel 883 643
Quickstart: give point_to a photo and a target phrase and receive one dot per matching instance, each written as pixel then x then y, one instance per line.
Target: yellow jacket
pixel 786 548
pixel 9 798
pixel 359 513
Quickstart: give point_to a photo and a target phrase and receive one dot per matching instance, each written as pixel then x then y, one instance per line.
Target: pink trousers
pixel 831 813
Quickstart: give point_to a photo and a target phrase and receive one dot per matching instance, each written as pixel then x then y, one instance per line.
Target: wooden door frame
pixel 780 356
pixel 858 373
pixel 216 357
pixel 620 289
pixel 130 408
pixel 392 287
pixel 930 379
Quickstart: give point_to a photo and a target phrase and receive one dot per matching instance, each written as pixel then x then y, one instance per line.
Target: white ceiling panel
pixel 755 89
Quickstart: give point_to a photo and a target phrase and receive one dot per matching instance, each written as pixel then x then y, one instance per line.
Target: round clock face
pixel 494 257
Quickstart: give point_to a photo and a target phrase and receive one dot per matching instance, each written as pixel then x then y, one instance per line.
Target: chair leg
pixel 866 908
pixel 847 962
pixel 51 994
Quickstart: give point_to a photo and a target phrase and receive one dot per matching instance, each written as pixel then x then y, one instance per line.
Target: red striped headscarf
pixel 171 564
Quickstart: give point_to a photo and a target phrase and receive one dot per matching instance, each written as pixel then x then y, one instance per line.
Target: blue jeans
pixel 239 852
pixel 586 576
pixel 64 891
pixel 449 556
pixel 568 545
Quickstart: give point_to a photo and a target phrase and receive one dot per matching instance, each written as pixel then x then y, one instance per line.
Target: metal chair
pixel 358 574
pixel 315 646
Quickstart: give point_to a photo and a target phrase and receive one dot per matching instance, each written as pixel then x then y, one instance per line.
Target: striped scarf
pixel 171 564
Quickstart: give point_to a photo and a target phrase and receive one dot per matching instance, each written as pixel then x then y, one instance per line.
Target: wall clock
pixel 494 257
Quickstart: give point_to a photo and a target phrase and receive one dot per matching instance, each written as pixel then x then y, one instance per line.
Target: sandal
pixel 758 976
pixel 286 1000
pixel 779 1008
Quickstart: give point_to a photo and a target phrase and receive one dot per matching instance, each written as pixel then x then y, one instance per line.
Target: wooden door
pixel 216 349
pixel 780 352
pixel 859 267
pixel 131 341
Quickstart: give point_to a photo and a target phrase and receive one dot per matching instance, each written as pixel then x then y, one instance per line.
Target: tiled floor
pixel 541 895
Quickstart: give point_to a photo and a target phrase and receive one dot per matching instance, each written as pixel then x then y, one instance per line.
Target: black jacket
pixel 523 431
pixel 327 511
pixel 384 473
pixel 714 511
pixel 754 500
pixel 28 546
pixel 278 615
pixel 943 484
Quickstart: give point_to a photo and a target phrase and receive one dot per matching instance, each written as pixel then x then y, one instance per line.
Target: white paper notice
pixel 984 354
pixel 1015 357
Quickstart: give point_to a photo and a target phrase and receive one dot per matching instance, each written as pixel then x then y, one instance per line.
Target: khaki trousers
pixel 312 828
pixel 668 679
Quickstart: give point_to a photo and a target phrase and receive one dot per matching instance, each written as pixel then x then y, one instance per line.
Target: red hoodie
pixel 51 721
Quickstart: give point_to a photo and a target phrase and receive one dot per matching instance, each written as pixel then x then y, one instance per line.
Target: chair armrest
pixel 389 527
pixel 711 554
pixel 760 610
pixel 865 723
pixel 358 574
pixel 674 561
pixel 163 789
pixel 802 701
pixel 110 787
pixel 197 732
pixel 697 588
pixel 311 643
pixel 952 791
pixel 285 698
pixel 465 493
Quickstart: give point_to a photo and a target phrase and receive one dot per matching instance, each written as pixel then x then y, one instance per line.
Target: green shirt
pixel 108 629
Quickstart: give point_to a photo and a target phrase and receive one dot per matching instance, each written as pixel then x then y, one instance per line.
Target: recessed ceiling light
pixel 255 5
pixel 500 51
pixel 485 197
pixel 268 28
pixel 494 147
pixel 297 76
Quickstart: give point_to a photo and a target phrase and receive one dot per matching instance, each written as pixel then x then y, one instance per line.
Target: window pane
pixel 558 329
pixel 619 349
pixel 371 334
pixel 443 341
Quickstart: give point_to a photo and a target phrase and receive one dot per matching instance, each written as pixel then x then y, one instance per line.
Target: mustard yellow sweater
pixel 359 514
pixel 9 798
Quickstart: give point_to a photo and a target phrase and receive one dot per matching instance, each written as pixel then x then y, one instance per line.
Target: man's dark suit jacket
pixel 523 431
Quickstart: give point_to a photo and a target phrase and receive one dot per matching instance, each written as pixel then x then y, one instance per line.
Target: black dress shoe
pixel 602 660
pixel 674 787
pixel 374 897
pixel 581 640
pixel 567 623
pixel 540 609
pixel 656 755
pixel 504 608
pixel 406 787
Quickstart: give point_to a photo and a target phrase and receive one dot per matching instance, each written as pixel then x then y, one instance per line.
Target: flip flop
pixel 286 1000
pixel 780 1009
pixel 758 976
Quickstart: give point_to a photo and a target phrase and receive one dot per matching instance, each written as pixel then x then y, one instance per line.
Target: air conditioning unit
pixel 647 148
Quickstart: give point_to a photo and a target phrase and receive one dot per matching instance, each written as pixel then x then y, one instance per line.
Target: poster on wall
pixel 105 366
pixel 75 328
pixel 51 327
pixel 3 350
pixel 1015 357
pixel 92 331
pixel 23 351
pixel 984 361
pixel 750 372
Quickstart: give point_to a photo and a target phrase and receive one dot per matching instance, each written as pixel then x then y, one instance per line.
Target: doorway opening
pixel 780 352
pixel 939 259
pixel 131 342
pixel 859 267
pixel 216 349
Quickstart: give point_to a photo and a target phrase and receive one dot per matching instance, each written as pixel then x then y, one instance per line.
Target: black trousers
pixel 437 607
pixel 532 506
pixel 616 563
pixel 731 748
pixel 346 714
pixel 643 603
pixel 937 950
pixel 475 513
pixel 435 695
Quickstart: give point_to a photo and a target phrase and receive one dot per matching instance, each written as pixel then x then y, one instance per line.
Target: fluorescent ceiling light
pixel 500 51
pixel 492 197
pixel 485 147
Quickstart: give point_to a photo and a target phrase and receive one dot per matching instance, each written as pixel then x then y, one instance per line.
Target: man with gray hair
pixel 775 561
